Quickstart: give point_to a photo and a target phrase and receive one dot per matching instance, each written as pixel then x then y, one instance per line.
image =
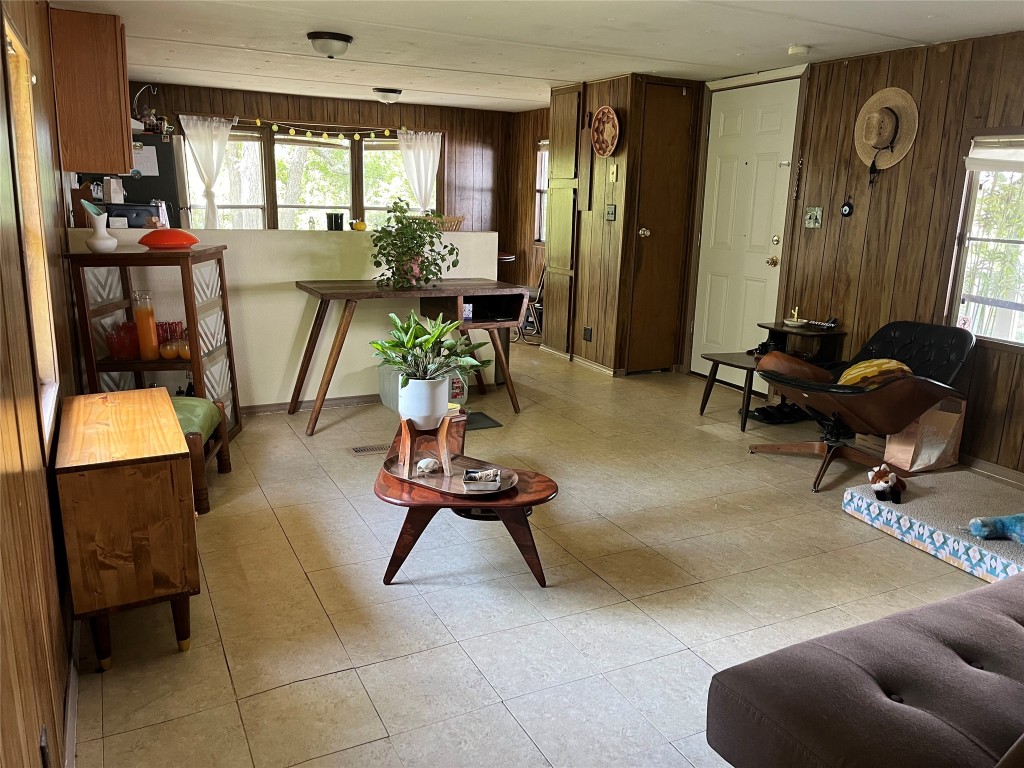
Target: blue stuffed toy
pixel 1006 527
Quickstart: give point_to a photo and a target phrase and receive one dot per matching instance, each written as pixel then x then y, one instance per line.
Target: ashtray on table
pixel 482 479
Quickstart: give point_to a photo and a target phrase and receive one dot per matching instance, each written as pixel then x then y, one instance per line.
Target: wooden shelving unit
pixel 103 289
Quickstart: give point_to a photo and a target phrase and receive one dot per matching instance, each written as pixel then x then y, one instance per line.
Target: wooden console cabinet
pixel 125 488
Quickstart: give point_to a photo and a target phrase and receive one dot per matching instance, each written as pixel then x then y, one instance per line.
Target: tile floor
pixel 670 553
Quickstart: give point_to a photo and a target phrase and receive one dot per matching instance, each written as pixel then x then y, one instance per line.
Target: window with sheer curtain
pixel 240 189
pixel 991 241
pixel 385 180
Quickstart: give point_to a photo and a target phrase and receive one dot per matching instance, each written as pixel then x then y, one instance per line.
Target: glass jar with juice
pixel 145 322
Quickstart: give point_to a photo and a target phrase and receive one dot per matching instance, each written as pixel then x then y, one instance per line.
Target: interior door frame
pixel 690 299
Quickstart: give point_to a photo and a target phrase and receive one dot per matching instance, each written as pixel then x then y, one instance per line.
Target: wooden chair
pixel 206 431
pixel 534 308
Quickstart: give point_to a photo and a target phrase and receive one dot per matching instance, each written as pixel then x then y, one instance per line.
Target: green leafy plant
pixel 425 349
pixel 410 250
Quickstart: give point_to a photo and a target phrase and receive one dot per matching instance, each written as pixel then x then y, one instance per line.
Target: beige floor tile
pixel 570 589
pixel 659 525
pixel 90 707
pixel 387 631
pixel 265 563
pixel 670 691
pixel 814 625
pixel 240 476
pixel 268 428
pixel 953 583
pixel 504 555
pixel 333 547
pixel 288 493
pixel 829 530
pixel 489 736
pixel 154 691
pixel 564 508
pixel 527 659
pixel 699 753
pixel 286 465
pixel 447 567
pixel 215 531
pixel 358 585
pixel 696 614
pixel 376 754
pixel 617 636
pixel 373 510
pixel 317 516
pixel 89 754
pixel 228 500
pixel 473 530
pixel 210 739
pixel 639 572
pixel 438 534
pixel 735 649
pixel 770 543
pixel 425 688
pixel 836 579
pixel 710 557
pixel 613 498
pixel 572 732
pixel 588 539
pixel 899 563
pixel 309 719
pixel 881 605
pixel 479 609
pixel 769 596
pixel 665 756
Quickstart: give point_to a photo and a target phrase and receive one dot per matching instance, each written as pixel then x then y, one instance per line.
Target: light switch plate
pixel 613 172
pixel 812 218
pixel 609 212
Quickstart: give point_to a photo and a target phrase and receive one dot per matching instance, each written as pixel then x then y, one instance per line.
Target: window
pixel 33 242
pixel 992 241
pixel 540 208
pixel 314 178
pixel 384 180
pixel 240 189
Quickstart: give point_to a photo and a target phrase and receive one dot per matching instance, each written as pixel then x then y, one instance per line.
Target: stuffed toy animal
pixel 887 485
pixel 1006 527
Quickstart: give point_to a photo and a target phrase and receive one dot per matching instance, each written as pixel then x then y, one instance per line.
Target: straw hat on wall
pixel 886 128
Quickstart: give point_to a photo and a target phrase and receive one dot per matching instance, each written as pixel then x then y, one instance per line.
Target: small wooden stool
pixel 206 432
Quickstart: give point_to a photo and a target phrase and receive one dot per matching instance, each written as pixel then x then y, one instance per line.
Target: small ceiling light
pixel 387 95
pixel 798 50
pixel 329 44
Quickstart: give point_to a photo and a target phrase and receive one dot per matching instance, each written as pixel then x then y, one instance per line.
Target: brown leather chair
pixel 936 354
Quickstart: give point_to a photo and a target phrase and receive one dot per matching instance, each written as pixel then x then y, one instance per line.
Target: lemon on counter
pixel 359 226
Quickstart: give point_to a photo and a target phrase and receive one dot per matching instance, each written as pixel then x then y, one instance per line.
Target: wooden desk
pixel 495 305
pixel 125 489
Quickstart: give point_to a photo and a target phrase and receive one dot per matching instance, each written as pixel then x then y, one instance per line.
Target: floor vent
pixel 364 450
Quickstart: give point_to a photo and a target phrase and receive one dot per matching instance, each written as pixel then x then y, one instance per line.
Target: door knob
pixel 776 239
pixel 644 232
pixel 772 262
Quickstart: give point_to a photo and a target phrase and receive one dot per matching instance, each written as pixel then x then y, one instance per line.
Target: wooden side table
pixel 743 362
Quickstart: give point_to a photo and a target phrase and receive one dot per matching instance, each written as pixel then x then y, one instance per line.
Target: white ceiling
pixel 507 54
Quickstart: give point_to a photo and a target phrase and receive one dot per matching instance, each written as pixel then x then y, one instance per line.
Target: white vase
pixel 100 241
pixel 424 402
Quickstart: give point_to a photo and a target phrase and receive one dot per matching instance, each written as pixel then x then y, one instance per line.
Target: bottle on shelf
pixel 145 323
pixel 190 388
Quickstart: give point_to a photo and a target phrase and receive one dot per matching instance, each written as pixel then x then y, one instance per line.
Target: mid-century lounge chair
pixel 936 354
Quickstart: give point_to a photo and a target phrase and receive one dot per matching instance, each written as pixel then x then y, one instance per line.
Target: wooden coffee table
pixel 511 507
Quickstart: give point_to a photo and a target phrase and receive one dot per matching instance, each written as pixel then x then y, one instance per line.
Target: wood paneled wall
pixel 516 189
pixel 470 164
pixel 893 258
pixel 600 242
pixel 33 659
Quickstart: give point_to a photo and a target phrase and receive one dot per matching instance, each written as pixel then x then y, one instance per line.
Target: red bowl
pixel 168 238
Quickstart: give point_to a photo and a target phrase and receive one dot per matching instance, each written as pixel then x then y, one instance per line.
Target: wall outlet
pixel 588 333
pixel 609 212
pixel 613 172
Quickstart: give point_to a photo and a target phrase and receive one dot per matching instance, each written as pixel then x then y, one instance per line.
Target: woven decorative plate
pixel 605 131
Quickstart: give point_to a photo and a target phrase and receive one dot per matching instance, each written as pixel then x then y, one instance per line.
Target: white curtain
pixel 421 152
pixel 208 139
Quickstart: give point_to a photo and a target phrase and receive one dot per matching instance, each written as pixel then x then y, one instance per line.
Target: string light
pixel 373 135
pixel 258 122
pixel 291 131
pixel 309 133
pixel 274 127
pixel 355 136
pixel 387 131
pixel 324 136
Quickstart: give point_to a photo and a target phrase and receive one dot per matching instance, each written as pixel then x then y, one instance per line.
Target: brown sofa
pixel 940 686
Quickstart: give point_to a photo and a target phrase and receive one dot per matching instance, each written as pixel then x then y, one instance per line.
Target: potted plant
pixel 410 250
pixel 426 355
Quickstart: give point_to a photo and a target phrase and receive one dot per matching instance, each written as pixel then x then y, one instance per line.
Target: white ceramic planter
pixel 100 241
pixel 424 402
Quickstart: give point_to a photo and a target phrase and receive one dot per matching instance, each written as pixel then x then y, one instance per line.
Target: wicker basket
pixel 452 223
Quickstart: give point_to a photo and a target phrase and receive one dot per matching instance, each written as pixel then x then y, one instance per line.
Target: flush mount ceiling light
pixel 798 50
pixel 329 44
pixel 387 95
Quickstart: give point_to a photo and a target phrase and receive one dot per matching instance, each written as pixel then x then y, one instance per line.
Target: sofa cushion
pixel 940 686
pixel 872 373
pixel 196 414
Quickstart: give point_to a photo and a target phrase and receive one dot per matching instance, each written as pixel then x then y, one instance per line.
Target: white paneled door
pixel 749 160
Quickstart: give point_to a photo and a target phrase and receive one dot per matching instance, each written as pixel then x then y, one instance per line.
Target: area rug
pixel 480 420
pixel 934 515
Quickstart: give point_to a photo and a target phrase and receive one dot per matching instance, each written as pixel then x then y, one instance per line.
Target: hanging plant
pixel 410 249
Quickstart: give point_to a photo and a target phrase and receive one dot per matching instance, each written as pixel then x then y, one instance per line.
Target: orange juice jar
pixel 145 321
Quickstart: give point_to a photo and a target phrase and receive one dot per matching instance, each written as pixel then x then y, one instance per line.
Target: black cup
pixel 335 222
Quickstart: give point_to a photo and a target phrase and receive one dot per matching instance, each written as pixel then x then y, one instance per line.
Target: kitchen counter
pixel 270 318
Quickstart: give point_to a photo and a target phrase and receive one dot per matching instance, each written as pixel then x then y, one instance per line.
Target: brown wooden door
pixel 663 203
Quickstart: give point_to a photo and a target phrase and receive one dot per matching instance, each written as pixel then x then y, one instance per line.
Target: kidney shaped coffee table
pixel 511 507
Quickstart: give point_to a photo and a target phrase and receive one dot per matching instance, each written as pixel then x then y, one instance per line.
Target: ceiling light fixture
pixel 798 50
pixel 329 44
pixel 387 95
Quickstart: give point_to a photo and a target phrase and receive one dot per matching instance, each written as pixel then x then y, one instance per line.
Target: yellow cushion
pixel 873 373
